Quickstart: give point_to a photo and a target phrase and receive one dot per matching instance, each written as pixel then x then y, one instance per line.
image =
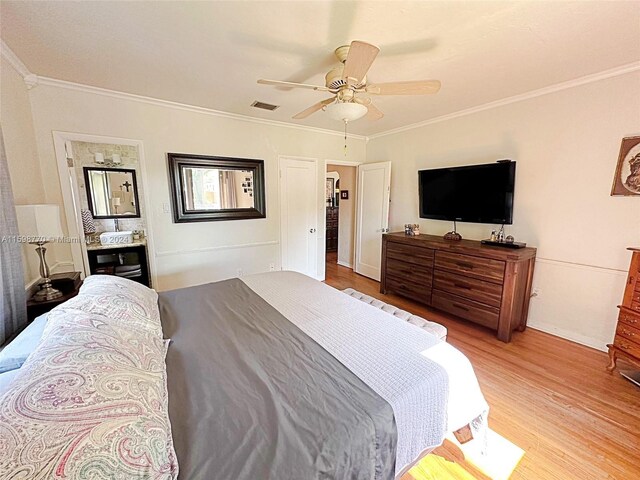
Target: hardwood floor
pixel 550 397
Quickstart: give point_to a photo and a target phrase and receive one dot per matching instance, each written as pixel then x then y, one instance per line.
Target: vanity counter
pixel 98 246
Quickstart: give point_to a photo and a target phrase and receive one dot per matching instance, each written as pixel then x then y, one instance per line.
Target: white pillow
pixel 116 298
pixel 14 354
pixel 6 379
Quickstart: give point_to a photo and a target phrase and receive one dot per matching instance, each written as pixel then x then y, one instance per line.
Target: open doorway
pixel 340 198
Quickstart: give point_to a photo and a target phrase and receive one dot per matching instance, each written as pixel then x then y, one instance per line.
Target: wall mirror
pixel 112 192
pixel 207 188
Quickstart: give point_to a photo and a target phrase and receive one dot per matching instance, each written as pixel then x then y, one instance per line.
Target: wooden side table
pixel 69 284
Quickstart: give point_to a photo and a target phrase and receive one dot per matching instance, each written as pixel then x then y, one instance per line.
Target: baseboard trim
pixel 345 264
pixel 571 336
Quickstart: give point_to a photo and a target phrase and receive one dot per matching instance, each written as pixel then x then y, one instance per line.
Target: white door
pixel 374 186
pixel 299 215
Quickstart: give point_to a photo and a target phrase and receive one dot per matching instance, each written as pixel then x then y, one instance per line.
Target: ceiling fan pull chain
pixel 345 138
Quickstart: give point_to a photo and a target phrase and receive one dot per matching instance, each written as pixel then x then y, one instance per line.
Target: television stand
pixel 503 244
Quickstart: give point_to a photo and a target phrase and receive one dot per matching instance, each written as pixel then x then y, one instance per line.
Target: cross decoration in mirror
pixel 112 192
pixel 206 188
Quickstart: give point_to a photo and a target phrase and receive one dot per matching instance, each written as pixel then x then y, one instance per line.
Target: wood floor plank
pixel 548 396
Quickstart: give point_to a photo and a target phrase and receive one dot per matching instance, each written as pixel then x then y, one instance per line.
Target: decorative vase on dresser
pixel 627 339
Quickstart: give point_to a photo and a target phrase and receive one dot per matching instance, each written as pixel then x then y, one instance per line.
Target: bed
pixel 272 376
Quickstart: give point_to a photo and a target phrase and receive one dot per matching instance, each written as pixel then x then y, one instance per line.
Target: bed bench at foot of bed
pixel 433 328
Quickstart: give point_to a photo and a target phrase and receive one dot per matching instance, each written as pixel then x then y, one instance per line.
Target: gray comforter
pixel 251 396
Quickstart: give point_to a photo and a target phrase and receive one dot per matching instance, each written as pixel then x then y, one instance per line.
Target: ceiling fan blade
pixel 314 108
pixel 373 113
pixel 279 83
pixel 419 87
pixel 361 56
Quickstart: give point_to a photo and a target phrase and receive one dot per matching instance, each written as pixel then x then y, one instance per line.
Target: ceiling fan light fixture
pixel 345 111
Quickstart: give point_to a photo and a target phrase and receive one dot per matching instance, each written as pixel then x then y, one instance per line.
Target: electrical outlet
pixel 272 267
pixel 536 292
pixel 240 272
pixel 165 208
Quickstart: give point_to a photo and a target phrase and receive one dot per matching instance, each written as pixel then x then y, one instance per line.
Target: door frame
pixel 71 198
pixel 319 274
pixel 323 221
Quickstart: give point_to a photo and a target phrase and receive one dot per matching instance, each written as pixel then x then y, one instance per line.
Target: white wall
pixel 191 253
pixel 22 158
pixel 566 144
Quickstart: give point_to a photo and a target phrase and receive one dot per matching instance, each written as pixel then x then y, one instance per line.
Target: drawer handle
pixel 630 320
pixel 461 285
pixel 461 307
pixel 468 266
pixel 627 332
pixel 625 346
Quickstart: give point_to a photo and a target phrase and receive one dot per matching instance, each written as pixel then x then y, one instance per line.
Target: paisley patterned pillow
pixel 89 403
pixel 118 299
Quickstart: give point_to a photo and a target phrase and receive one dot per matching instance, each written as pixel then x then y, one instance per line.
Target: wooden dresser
pixel 627 339
pixel 486 285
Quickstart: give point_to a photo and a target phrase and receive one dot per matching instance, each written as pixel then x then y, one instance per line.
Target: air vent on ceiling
pixel 264 106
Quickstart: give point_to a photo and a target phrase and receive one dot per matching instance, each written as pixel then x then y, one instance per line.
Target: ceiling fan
pixel 349 86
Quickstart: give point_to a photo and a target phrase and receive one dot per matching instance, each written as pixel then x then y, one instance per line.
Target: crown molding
pixel 79 87
pixel 595 77
pixel 13 60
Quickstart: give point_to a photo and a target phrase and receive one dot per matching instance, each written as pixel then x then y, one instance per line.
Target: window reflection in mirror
pixel 111 192
pixel 208 189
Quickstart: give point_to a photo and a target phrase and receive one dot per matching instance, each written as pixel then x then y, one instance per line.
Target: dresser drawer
pixel 465 308
pixel 628 332
pixel 483 268
pixel 635 298
pixel 410 254
pixel 410 272
pixel 627 345
pixel 403 286
pixel 631 319
pixel 467 287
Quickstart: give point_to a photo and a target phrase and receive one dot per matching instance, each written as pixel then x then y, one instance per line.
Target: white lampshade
pixel 42 222
pixel 115 201
pixel 346 111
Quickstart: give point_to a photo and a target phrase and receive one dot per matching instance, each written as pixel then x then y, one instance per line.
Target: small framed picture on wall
pixel 627 178
pixel 344 194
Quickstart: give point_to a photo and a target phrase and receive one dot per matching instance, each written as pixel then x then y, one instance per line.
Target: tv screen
pixel 475 193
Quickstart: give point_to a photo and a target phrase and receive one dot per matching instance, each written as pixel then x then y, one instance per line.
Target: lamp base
pixel 46 293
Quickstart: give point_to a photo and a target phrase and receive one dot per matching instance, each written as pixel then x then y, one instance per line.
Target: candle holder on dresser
pixel 627 338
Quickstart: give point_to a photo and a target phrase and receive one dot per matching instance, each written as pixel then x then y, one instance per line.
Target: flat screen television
pixel 474 193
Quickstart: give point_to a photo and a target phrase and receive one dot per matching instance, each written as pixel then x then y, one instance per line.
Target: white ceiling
pixel 210 54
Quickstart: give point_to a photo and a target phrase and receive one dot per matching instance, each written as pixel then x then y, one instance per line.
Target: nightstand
pixel 68 283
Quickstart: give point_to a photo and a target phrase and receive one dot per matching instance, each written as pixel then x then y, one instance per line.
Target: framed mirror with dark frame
pixel 112 192
pixel 206 188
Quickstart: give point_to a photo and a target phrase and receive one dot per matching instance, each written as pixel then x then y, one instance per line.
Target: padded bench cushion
pixel 433 328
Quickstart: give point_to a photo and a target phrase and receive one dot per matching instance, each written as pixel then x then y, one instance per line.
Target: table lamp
pixel 41 225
